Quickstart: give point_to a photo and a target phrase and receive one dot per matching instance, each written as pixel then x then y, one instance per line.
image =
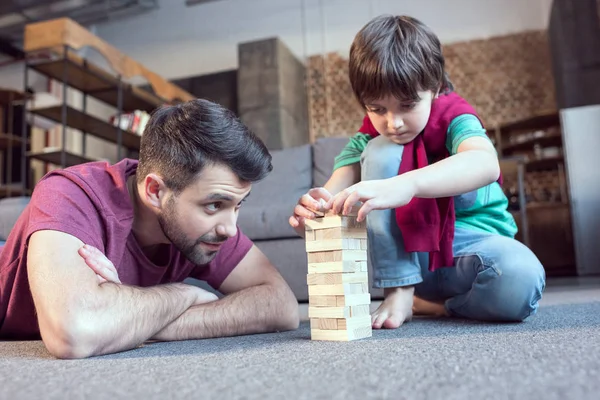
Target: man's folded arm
pixel 78 317
pixel 257 300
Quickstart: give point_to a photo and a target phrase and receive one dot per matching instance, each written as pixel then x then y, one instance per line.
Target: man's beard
pixel 190 248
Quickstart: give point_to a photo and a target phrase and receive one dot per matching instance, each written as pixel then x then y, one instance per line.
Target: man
pixel 95 263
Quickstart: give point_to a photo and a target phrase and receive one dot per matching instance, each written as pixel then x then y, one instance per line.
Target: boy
pixel 441 241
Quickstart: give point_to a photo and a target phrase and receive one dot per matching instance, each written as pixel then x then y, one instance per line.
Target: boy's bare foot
pixel 426 307
pixel 395 309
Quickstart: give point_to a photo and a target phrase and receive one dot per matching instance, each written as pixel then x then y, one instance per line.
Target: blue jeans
pixel 495 278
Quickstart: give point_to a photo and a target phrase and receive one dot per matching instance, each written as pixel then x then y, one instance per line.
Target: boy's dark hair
pixel 398 56
pixel 180 140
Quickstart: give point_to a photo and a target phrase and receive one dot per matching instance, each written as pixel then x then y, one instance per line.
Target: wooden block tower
pixel 338 285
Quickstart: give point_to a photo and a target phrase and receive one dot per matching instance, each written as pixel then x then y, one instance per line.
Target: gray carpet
pixel 554 355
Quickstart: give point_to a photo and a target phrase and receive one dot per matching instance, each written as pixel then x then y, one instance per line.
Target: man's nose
pixel 228 226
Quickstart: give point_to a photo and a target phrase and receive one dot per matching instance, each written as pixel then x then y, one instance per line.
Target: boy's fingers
pixel 301 211
pixel 320 193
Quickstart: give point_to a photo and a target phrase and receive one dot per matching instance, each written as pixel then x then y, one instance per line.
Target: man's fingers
pixel 99 263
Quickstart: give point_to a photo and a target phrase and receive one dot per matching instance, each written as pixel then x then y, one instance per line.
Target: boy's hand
pixel 380 194
pixel 315 200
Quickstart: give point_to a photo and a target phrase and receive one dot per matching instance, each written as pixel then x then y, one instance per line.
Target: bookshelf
pixel 51 50
pixel 540 203
pixel 11 144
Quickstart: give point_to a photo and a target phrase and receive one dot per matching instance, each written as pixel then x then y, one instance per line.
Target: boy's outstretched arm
pixel 473 166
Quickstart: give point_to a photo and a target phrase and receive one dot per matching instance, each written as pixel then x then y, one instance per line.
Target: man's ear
pixel 155 190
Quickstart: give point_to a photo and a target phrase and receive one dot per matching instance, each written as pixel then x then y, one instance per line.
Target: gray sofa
pixel 264 216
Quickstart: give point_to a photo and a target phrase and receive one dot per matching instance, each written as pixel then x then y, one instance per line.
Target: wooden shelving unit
pixel 11 143
pixel 58 40
pixel 545 222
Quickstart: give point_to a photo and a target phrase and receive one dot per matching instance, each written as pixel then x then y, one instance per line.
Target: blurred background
pixel 80 78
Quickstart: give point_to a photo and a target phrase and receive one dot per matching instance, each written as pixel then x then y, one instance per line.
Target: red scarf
pixel 427 225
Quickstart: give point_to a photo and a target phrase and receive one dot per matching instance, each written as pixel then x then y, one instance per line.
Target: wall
pixel 205 37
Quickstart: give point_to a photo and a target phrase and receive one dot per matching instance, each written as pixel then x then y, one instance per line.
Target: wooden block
pixel 339 289
pixel 337 255
pixel 336 278
pixel 341 335
pixel 363 309
pixel 339 301
pixel 335 221
pixel 324 323
pixel 335 244
pixel 337 266
pixel 352 323
pixel 339 233
pixel 329 312
pixel 339 312
pixel 345 324
pixel 310 235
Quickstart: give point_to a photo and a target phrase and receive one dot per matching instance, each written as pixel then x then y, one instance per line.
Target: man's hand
pixel 102 266
pixel 315 199
pixel 380 194
pixel 106 272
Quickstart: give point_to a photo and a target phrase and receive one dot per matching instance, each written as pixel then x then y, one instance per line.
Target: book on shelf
pixel 135 121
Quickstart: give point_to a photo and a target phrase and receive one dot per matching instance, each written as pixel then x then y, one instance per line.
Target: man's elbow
pixel 289 317
pixel 69 339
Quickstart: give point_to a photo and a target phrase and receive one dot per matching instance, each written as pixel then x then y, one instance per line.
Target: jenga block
pixel 339 312
pixel 336 244
pixel 339 233
pixel 334 221
pixel 324 323
pixel 337 255
pixel 339 301
pixel 354 322
pixel 339 289
pixel 336 278
pixel 351 323
pixel 329 312
pixel 337 266
pixel 309 235
pixel 341 335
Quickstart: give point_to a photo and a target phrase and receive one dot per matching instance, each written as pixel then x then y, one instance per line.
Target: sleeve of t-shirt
pixel 229 256
pixel 351 153
pixel 461 128
pixel 57 203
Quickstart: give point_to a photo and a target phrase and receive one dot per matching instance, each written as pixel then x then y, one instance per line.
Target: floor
pixel 567 290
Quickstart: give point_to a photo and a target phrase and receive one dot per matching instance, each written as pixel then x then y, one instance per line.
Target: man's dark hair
pixel 397 56
pixel 180 140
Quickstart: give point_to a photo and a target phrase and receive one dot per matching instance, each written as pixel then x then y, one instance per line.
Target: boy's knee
pixel 381 159
pixel 520 284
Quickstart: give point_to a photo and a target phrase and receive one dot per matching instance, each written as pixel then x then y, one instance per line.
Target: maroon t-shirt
pixel 91 202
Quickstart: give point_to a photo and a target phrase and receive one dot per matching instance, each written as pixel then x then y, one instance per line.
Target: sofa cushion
pixel 324 152
pixel 10 210
pixel 266 212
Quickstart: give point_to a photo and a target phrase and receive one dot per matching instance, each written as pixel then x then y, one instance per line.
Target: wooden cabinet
pixel 538 191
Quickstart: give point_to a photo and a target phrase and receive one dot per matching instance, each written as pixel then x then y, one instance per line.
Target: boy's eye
pixel 376 110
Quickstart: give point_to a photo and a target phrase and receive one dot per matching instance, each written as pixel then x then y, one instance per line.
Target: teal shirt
pixel 484 209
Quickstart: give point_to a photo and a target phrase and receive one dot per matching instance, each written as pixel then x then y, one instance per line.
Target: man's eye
pixel 213 206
